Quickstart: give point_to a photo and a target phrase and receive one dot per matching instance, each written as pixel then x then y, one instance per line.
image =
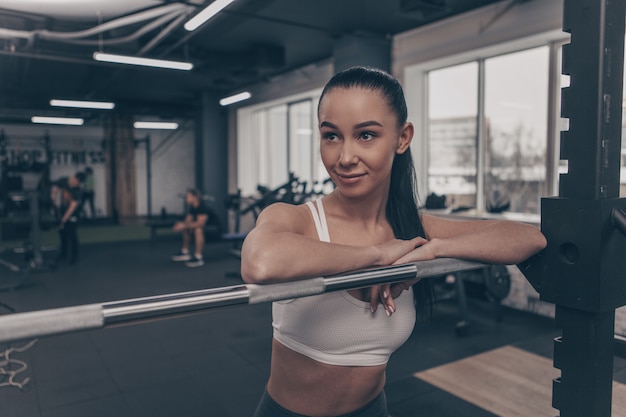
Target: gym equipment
pixel 284 192
pixel 26 225
pixel 491 283
pixel 233 205
pixel 582 269
pixel 294 191
pixel 23 210
pixel 25 205
pixel 19 326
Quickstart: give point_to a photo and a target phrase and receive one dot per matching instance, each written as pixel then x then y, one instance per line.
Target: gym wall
pixel 74 148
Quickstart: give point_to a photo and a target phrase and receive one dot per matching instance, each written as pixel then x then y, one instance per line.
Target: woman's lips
pixel 350 179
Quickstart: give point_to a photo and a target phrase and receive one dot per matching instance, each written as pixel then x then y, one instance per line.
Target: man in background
pixel 192 228
pixel 69 200
pixel 88 192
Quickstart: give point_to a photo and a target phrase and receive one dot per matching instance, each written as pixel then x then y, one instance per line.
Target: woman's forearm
pixel 284 256
pixel 500 242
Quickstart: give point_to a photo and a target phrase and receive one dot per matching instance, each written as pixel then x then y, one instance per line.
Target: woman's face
pixel 360 137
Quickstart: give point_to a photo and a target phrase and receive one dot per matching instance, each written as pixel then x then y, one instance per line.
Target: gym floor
pixel 214 363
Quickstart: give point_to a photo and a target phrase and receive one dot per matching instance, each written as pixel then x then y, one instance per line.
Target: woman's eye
pixel 367 136
pixel 329 136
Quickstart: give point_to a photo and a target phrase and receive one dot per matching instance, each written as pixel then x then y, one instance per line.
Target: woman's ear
pixel 405 138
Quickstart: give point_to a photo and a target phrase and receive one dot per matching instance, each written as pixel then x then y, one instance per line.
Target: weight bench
pixel 155 225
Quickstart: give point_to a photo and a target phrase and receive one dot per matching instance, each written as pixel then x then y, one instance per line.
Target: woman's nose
pixel 348 154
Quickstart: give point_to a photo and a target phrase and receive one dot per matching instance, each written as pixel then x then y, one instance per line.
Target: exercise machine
pixel 24 193
pixel 582 269
pixel 293 191
pixel 490 284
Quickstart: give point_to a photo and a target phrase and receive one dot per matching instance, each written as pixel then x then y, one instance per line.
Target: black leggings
pixel 269 408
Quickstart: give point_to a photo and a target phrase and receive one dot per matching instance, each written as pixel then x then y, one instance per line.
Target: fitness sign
pixel 77 157
pixel 27 157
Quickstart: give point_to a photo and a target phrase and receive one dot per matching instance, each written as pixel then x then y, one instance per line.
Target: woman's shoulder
pixel 284 213
pixel 280 208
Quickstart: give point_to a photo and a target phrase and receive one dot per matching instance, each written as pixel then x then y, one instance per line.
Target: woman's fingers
pixel 419 241
pixel 397 288
pixel 382 294
pixel 386 299
pixel 420 253
pixel 374 297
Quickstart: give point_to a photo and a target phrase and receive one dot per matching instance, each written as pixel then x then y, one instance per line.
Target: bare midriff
pixel 305 386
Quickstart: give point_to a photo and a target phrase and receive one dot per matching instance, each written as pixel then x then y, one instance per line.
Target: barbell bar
pixel 40 323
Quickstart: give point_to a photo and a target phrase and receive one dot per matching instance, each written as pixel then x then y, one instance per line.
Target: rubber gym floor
pixel 215 363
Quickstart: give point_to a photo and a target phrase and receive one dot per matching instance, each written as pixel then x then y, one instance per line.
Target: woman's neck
pixel 370 209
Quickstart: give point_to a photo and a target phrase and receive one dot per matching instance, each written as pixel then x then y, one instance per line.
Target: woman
pixel 330 351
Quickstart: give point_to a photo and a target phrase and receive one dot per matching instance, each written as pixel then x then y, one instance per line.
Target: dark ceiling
pixel 46 49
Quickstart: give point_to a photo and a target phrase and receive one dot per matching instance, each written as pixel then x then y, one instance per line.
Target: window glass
pixel 257 149
pixel 452 111
pixel 277 140
pixel 276 156
pixel 301 140
pixel 516 99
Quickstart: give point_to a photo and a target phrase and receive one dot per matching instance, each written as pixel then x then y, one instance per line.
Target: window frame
pixel 416 91
pixel 246 137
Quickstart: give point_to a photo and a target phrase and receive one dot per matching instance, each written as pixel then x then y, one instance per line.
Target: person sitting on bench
pixel 192 227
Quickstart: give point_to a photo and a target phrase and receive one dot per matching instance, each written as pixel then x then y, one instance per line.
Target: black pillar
pixel 212 153
pixel 583 266
pixel 584 354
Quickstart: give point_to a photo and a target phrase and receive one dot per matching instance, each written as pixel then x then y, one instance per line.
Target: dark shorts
pixel 269 408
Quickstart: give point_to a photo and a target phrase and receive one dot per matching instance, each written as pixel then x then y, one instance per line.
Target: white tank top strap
pixel 316 218
pixel 319 218
pixel 325 232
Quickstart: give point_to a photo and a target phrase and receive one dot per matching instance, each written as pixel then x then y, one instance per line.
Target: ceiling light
pixel 148 62
pixel 155 125
pixel 207 13
pixel 73 121
pixel 83 104
pixel 236 98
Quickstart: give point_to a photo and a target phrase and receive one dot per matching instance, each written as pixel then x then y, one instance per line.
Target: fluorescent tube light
pixel 83 104
pixel 73 121
pixel 207 13
pixel 236 98
pixel 147 62
pixel 156 125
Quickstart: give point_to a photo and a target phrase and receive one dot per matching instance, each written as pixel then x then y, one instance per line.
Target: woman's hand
pixel 422 253
pixel 386 293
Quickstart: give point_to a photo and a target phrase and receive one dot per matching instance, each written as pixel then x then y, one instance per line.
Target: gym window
pixel 276 139
pixel 487 132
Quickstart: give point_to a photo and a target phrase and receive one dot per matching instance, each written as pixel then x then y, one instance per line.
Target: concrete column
pixel 120 165
pixel 212 152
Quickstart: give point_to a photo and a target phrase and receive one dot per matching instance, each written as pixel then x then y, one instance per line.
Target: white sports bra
pixel 337 329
